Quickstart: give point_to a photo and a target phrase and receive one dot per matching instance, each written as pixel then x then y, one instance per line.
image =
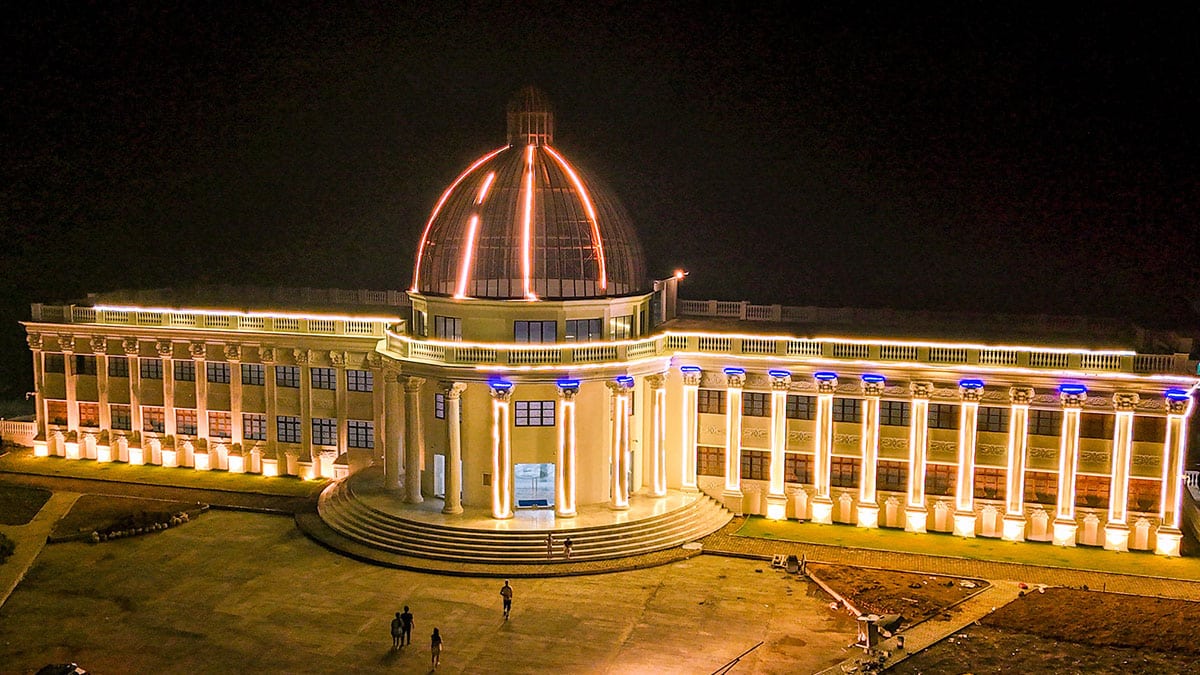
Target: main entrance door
pixel 533 485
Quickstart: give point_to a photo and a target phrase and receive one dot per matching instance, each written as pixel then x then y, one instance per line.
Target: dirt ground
pixel 1072 631
pixel 96 512
pixel 916 597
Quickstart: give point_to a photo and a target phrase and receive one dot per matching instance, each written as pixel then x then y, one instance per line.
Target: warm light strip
pixel 465 271
pixel 964 493
pixel 501 462
pixel 527 223
pixel 587 204
pixel 1068 453
pixel 566 456
pixel 1018 442
pixel 440 203
pixel 918 451
pixel 223 312
pixel 483 189
pixel 901 343
pixel 660 450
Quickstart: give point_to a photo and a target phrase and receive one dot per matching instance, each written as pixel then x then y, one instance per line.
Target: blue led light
pixel 625 380
pixel 500 384
pixel 1177 394
pixel 735 371
pixel 971 384
pixel 825 376
pixel 779 373
pixel 1073 389
pixel 872 378
pixel 567 384
pixel 689 369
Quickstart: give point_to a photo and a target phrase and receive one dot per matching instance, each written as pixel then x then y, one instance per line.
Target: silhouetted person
pixel 506 592
pixel 435 647
pixel 567 548
pixel 406 626
pixel 396 623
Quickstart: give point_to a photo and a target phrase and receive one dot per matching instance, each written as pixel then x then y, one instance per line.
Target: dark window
pixel 756 404
pixel 185 422
pixel 447 327
pixel 1150 429
pixel 990 483
pixel 532 414
pixel 324 431
pixel 56 412
pixel 535 331
pixel 1045 422
pixel 54 363
pixel 254 426
pixel 894 413
pixel 185 371
pixel 323 378
pixel 218 372
pixel 1096 425
pixel 361 434
pixel 121 419
pixel 89 414
pixel 756 465
pixel 1092 491
pixel 711 401
pixel 620 327
pixel 418 323
pixel 992 419
pixel 153 419
pixel 150 368
pixel 584 330
pixel 797 468
pixel 1144 494
pixel 941 479
pixel 288 428
pixel 439 407
pixel 252 373
pixel 1041 487
pixel 943 416
pixel 85 364
pixel 800 407
pixel 710 460
pixel 220 424
pixel 891 475
pixel 844 471
pixel 118 366
pixel 847 410
pixel 287 376
pixel 360 380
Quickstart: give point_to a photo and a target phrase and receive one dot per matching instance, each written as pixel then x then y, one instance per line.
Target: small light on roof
pixel 500 384
pixel 689 369
pixel 971 384
pixel 873 378
pixel 679 274
pixel 625 380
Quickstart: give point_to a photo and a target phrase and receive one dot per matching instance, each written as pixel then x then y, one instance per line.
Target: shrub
pixel 7 546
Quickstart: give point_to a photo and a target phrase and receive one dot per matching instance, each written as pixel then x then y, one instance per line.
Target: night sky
pixel 970 157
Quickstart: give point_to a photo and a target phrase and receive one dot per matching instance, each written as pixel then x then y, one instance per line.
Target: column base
pixel 964 523
pixel 72 449
pixel 104 453
pixel 915 519
pixel 732 499
pixel 1064 532
pixel 868 515
pixel 1167 542
pixel 452 509
pixel 777 507
pixel 618 507
pixel 41 449
pixel 822 510
pixel 1014 528
pixel 689 489
pixel 564 514
pixel 1116 537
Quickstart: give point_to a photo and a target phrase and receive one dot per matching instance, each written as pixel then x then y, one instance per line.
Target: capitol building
pixel 535 375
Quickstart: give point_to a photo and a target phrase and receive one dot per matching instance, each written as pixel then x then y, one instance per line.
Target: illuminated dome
pixel 523 222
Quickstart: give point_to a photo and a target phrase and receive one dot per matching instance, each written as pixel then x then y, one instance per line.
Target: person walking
pixel 549 545
pixel 396 623
pixel 567 548
pixel 506 592
pixel 435 648
pixel 406 626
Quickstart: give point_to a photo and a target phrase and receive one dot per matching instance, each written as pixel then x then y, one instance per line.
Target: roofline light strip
pixel 465 271
pixel 441 202
pixel 587 204
pixel 234 312
pixel 527 223
pixel 483 190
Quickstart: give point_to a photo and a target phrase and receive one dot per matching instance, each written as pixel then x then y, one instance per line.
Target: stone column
pixel 1169 536
pixel 1018 441
pixel 166 352
pixel 267 357
pixel 199 353
pixel 502 490
pixel 564 480
pixel 130 347
pixel 691 394
pixel 237 428
pixel 66 343
pixel 341 402
pixel 915 512
pixel 304 358
pixel 1072 397
pixel 99 345
pixel 735 379
pixel 822 503
pixel 414 440
pixel 390 434
pixel 619 457
pixel 868 499
pixel 781 382
pixel 970 392
pixel 34 340
pixel 453 502
pixel 657 385
pixel 1116 530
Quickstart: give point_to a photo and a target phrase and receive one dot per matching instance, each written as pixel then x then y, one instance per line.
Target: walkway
pixel 30 538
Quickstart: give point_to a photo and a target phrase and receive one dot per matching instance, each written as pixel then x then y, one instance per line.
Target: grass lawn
pixel 23 461
pixel 979 548
pixel 18 505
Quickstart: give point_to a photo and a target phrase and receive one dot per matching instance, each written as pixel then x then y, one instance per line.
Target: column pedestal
pixel 915 518
pixel 1116 537
pixel 1064 532
pixel 822 510
pixel 777 507
pixel 1014 528
pixel 1168 541
pixel 964 523
pixel 868 515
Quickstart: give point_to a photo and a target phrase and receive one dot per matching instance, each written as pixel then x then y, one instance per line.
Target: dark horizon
pixel 979 159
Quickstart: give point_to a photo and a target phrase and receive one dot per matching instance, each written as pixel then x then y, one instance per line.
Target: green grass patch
pixel 23 461
pixel 18 505
pixel 978 548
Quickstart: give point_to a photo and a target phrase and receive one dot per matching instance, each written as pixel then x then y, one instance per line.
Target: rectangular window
pixel 56 412
pixel 894 413
pixel 360 380
pixel 185 370
pixel 990 483
pixel 584 330
pixel 419 326
pixel 1144 494
pixel 847 410
pixel 447 327
pixel 756 404
pixel 1045 422
pixel 324 378
pixel 1041 487
pixel 252 373
pixel 535 331
pixel 85 364
pixel 185 422
pixel 756 465
pixel 992 419
pixel 1149 429
pixel 620 327
pixel 711 401
pixel 89 414
pixel 1097 425
pixel 943 416
pixel 53 363
pixel 439 406
pixel 533 413
pixel 940 479
pixel 254 426
pixel 150 368
pixel 797 468
pixel 120 417
pixel 710 460
pixel 153 419
pixel 287 376
pixel 844 471
pixel 220 424
pixel 118 366
pixel 217 373
pixel 324 431
pixel 287 428
pixel 1092 491
pixel 361 434
pixel 891 475
pixel 800 407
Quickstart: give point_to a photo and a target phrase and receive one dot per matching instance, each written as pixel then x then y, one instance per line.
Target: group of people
pixel 402 625
pixel 567 545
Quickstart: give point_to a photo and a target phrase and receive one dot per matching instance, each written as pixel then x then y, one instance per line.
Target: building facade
pixel 532 364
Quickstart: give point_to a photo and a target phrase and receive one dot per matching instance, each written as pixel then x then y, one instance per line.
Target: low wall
pixel 19 432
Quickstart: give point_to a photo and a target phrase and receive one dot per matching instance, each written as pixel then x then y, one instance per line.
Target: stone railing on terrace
pixel 20 432
pixel 469 354
pixel 213 320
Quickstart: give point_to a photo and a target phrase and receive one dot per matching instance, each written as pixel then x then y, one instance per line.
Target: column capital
pixel 1177 405
pixel 266 354
pixel 198 350
pixel 391 376
pixel 1020 395
pixel 500 393
pixel 691 376
pixel 735 378
pixel 781 380
pixel 99 344
pixel 920 390
pixel 412 384
pixel 34 340
pixel 872 385
pixel 827 383
pixel 302 357
pixel 130 346
pixel 1126 401
pixel 656 381
pixel 373 360
pixel 623 384
pixel 454 390
pixel 233 353
pixel 165 348
pixel 970 393
pixel 337 359
pixel 66 343
pixel 1072 398
pixel 567 389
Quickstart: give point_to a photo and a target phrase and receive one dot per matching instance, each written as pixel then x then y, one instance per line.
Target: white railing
pixel 21 432
pixel 211 320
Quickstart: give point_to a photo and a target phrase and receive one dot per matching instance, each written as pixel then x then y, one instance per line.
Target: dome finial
pixel 530 118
